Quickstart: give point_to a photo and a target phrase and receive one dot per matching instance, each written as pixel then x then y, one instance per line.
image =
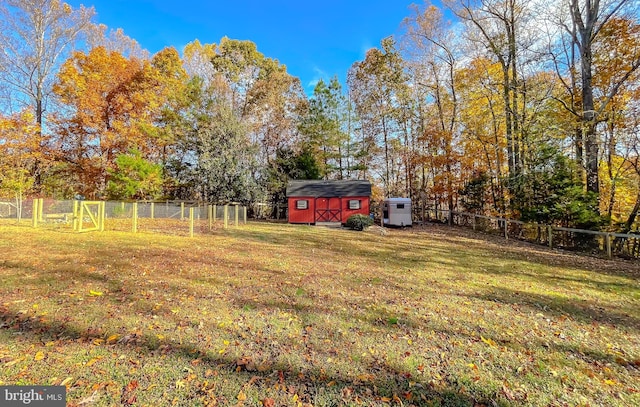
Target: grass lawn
pixel 280 315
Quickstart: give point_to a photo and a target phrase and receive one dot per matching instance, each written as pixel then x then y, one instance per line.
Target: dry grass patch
pixel 274 314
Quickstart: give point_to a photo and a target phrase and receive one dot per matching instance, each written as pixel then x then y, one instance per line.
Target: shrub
pixel 359 222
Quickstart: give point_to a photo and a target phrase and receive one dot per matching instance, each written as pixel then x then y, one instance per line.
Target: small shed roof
pixel 398 200
pixel 324 188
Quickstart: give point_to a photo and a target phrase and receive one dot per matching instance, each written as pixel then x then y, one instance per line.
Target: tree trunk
pixel 632 216
pixel 510 26
pixel 611 145
pixel 37 165
pixel 590 143
pixel 506 95
pixel 19 206
pixel 579 146
pixel 586 26
pixel 386 155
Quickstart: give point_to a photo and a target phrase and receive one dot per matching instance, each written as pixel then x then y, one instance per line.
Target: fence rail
pixel 609 244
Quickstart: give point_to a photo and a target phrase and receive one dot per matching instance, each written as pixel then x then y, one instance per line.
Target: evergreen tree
pixel 548 192
pixel 134 178
pixel 224 157
pixel 324 129
pixel 289 165
pixel 474 194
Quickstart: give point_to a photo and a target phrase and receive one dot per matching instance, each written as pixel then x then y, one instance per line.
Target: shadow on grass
pixel 430 247
pixel 593 357
pixel 360 247
pixel 577 309
pixel 405 252
pixel 380 385
pixel 549 277
pixel 225 277
pixel 514 249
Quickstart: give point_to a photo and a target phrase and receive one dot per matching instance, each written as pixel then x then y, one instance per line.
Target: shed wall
pixel 326 209
pixel 364 207
pixel 302 215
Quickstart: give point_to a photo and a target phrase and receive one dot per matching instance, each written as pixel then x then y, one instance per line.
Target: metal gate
pixel 328 210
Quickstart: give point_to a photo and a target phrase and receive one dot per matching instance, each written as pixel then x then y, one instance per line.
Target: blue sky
pixel 314 39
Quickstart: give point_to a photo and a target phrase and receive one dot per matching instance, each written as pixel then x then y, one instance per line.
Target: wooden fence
pixel 86 216
pixel 609 244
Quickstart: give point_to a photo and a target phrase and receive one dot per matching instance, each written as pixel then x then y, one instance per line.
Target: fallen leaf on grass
pixel 488 341
pixel 13 362
pixel 268 402
pixel 39 356
pixel 66 381
pixel 93 361
pixel 242 396
pixel 90 400
pixel 508 393
pixel 253 380
pixel 128 397
pixel 93 293
pixel 365 377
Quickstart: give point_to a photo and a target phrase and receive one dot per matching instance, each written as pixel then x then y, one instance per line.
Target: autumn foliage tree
pixel 435 60
pixel 377 84
pixel 110 99
pixel 19 150
pixel 243 108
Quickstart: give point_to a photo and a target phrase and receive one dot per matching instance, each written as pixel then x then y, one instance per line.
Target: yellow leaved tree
pixel 19 152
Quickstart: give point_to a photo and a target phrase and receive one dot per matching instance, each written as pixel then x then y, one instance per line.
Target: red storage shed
pixel 314 201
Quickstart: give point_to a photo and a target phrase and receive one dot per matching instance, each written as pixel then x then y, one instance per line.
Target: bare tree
pixel 36 36
pixel 99 35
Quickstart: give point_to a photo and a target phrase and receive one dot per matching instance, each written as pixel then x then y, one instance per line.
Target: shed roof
pixel 398 200
pixel 323 188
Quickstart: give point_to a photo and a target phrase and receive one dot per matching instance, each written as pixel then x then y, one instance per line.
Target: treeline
pixel 505 107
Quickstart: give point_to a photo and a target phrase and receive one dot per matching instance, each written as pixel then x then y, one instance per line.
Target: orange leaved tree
pixel 111 100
